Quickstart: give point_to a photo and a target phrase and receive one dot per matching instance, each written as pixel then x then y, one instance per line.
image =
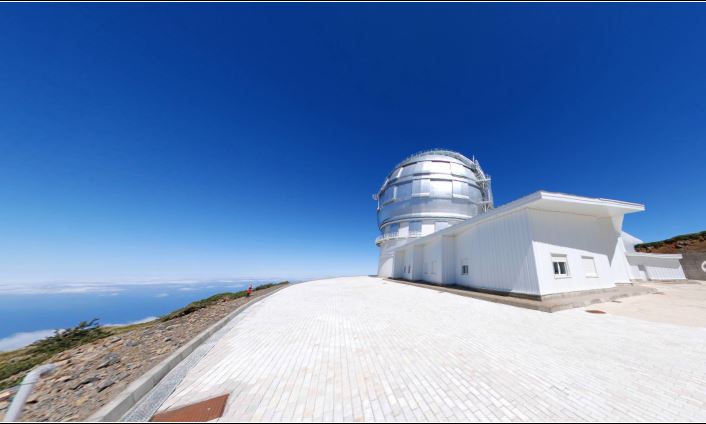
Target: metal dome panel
pixel 435 185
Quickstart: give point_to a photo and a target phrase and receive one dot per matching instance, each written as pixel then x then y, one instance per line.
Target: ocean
pixel 29 313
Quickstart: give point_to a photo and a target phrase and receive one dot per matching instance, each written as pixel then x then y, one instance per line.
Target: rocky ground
pixel 90 375
pixel 695 242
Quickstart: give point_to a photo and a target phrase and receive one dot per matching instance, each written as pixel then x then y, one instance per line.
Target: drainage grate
pixel 206 410
pixel 595 311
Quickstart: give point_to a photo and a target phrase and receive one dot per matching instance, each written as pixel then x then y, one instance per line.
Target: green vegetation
pixel 684 237
pixel 14 365
pixel 220 297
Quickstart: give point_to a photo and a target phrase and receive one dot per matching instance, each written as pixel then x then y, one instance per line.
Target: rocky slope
pixel 90 375
pixel 695 242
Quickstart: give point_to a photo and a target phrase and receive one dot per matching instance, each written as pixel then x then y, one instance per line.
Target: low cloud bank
pixel 23 339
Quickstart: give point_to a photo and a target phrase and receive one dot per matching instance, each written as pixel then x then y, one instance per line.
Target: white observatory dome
pixel 429 191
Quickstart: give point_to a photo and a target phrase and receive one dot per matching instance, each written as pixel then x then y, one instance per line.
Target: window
pixel 415 227
pixel 404 191
pixel 464 269
pixel 408 170
pixel 589 266
pixel 420 187
pixel 392 229
pixel 460 189
pixel 560 265
pixel 437 167
pixel 388 195
pixel 441 188
pixel 458 169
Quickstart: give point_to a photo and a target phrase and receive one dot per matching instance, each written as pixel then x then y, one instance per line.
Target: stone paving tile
pixel 365 349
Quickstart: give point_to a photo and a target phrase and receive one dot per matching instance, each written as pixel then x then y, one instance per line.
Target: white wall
pixel 656 268
pixel 575 236
pixel 629 241
pixel 499 255
pixel 636 273
pixel 448 259
pixel 399 263
pixel 432 261
pixel 427 227
pixel 512 252
pixel 417 263
pixel 386 266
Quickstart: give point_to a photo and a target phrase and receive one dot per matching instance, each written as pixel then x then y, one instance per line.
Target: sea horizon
pixel 35 311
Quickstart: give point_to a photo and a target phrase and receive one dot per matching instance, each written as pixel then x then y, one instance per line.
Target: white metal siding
pixel 665 272
pixel 499 255
pixel 575 236
pixel 657 268
pixel 432 255
pixel 636 273
pixel 386 266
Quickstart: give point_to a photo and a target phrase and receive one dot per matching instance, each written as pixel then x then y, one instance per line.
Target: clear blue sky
pixel 194 141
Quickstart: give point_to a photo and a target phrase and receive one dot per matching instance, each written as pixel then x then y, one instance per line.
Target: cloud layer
pixel 23 339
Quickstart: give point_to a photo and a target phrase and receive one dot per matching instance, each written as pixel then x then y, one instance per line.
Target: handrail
pixel 396 235
pixel 15 410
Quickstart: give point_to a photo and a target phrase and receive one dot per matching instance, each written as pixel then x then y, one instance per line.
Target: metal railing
pixel 396 235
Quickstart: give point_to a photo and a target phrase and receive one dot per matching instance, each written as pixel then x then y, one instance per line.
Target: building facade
pixel 444 229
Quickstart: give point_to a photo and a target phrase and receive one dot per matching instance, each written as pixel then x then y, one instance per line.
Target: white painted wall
pixel 575 236
pixel 427 227
pixel 417 263
pixel 432 261
pixel 671 270
pixel 657 268
pixel 499 255
pixel 636 273
pixel 512 252
pixel 629 241
pixel 448 259
pixel 386 266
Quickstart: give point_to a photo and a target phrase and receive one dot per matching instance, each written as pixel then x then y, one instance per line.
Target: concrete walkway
pixel 364 349
pixel 676 302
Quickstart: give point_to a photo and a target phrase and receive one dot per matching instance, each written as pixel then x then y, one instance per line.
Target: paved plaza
pixel 365 349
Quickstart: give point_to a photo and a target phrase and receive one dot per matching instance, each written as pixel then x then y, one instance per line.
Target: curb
pixel 599 296
pixel 136 390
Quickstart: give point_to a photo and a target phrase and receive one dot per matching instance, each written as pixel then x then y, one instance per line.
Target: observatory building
pixel 438 224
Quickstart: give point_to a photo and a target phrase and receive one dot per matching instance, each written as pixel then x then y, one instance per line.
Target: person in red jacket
pixel 249 289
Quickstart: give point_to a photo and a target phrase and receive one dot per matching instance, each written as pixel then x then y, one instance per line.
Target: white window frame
pixel 595 269
pixel 560 258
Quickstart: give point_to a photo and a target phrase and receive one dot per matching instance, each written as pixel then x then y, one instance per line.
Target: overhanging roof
pixel 654 255
pixel 543 200
pixel 598 207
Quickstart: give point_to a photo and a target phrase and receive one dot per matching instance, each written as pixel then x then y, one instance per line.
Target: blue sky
pixel 146 141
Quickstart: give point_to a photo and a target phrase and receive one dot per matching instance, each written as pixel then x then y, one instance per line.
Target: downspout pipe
pixel 15 410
